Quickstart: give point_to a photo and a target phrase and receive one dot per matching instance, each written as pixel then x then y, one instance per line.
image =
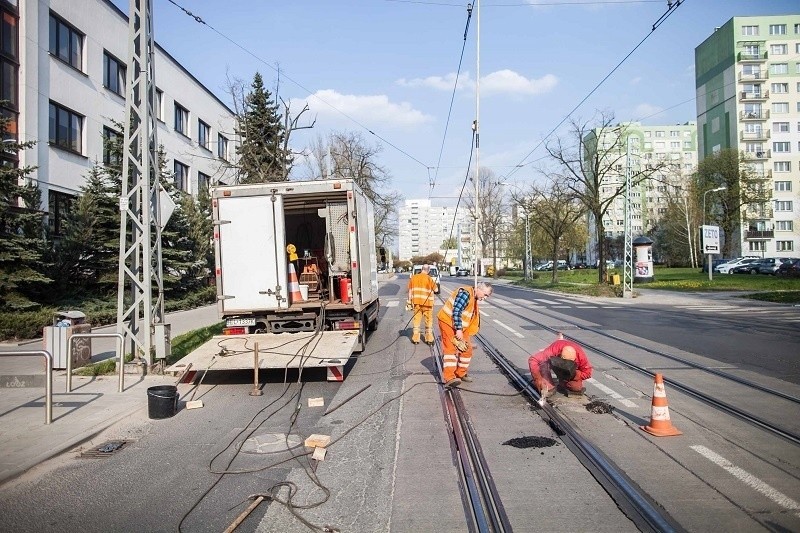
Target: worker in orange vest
pixel 459 319
pixel 420 298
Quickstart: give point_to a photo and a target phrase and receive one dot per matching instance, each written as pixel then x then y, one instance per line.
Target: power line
pixel 670 9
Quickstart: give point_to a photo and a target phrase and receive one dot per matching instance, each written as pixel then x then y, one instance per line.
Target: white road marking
pixel 483 313
pixel 546 301
pixel 748 479
pixel 508 328
pixel 617 396
pixel 393 303
pixel 521 300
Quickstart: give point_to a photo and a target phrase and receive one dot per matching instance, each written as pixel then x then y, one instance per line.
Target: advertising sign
pixel 710 236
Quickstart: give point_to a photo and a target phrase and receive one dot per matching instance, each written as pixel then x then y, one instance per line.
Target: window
pixel 782 166
pixel 59 205
pixel 674 133
pixel 780 127
pixel 222 147
pixel 752 70
pixel 780 87
pixel 784 225
pixel 159 105
pixel 783 147
pixel 659 145
pixel 648 134
pixel 66 43
pixel 783 205
pixel 203 181
pixel 9 78
pixel 777 29
pixel 66 128
pixel 648 146
pixel 181 176
pixel 181 119
pixel 758 246
pixel 676 144
pixel 784 246
pixel 113 74
pixel 687 144
pixel 659 134
pixel 749 30
pixel 751 50
pixel 203 134
pixel 714 124
pixel 779 49
pixel 779 68
pixel 751 127
pixel 797 29
pixel 780 107
pixel 783 186
pixel 112 144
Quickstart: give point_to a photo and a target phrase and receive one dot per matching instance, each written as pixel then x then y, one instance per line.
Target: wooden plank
pixel 276 350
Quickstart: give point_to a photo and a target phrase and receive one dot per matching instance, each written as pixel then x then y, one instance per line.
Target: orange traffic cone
pixel 660 425
pixel 294 286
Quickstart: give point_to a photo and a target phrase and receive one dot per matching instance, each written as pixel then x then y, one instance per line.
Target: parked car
pixel 726 267
pixel 462 272
pixel 749 267
pixel 789 269
pixel 716 263
pixel 769 265
pixel 434 273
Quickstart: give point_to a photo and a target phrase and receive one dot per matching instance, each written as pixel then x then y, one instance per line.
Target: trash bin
pixel 162 401
pixel 56 337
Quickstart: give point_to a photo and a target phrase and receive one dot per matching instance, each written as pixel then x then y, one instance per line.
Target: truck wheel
pixel 372 326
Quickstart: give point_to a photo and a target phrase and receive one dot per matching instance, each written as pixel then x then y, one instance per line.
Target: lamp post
pixel 710 264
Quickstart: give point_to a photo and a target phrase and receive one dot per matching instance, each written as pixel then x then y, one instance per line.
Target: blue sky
pixel 386 69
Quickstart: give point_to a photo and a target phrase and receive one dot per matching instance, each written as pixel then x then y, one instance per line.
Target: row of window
pixel 774 29
pixel 66 43
pixel 780 246
pixel 672 133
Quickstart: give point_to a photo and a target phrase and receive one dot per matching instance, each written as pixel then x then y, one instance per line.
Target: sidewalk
pixel 93 405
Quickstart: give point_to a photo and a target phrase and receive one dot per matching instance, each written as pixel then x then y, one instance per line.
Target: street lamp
pixel 710 264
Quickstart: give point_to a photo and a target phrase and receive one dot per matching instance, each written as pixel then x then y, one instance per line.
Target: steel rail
pixel 631 499
pixel 686 389
pixel 482 504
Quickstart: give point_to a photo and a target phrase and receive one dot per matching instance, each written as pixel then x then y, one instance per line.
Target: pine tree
pixel 21 230
pixel 262 157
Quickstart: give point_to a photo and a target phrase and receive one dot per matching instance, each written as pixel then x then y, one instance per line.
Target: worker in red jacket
pixel 566 360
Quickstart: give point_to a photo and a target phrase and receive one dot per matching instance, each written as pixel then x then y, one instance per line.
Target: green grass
pixel 760 287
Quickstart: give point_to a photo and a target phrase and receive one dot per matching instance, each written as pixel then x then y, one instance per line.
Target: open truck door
pixel 252 263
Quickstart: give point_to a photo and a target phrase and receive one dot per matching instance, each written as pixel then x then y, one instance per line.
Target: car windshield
pixel 434 272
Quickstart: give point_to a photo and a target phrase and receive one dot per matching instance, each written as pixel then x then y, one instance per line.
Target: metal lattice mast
pixel 627 268
pixel 140 228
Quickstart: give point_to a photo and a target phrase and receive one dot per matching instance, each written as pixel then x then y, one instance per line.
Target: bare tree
pixel 554 209
pixel 592 163
pixel 491 210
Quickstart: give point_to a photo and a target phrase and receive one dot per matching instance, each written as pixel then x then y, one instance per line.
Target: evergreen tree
pixel 21 230
pixel 176 246
pixel 262 157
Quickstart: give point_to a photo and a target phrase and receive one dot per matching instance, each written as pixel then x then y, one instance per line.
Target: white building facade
pixel 423 228
pixel 71 91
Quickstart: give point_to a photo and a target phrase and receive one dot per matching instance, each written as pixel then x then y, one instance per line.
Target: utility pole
pixel 138 314
pixel 627 267
pixel 475 125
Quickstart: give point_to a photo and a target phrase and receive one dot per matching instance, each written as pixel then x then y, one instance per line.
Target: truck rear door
pixel 251 255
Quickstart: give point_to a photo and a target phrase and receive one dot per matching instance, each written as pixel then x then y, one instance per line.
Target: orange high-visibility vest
pixel 422 287
pixel 470 318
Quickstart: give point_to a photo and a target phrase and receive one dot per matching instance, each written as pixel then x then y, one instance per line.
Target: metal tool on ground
pixel 196 404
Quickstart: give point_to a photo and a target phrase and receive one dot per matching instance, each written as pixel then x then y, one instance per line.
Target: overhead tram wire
pixel 452 99
pixel 199 20
pixel 670 10
pixel 537 4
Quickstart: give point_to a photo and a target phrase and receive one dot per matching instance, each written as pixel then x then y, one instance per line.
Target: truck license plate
pixel 240 322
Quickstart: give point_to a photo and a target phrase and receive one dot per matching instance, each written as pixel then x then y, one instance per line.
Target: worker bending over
pixel 566 360
pixel 459 320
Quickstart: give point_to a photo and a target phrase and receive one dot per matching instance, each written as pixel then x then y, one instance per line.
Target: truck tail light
pixel 347 324
pixel 238 330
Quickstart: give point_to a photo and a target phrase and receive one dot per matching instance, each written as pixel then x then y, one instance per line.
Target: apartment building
pixel 64 78
pixel 671 148
pixel 748 98
pixel 423 228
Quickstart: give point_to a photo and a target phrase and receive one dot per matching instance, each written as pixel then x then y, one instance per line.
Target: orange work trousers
pixel 420 312
pixel 454 363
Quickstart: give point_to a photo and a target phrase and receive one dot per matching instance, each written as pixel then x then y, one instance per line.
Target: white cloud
pixel 369 109
pixel 643 111
pixel 499 82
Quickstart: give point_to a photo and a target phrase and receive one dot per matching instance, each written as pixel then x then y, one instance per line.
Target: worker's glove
pixel 460 344
pixel 409 305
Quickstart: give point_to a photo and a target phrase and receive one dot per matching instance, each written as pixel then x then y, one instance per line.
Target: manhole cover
pixel 598 407
pixel 104 450
pixel 530 442
pixel 270 443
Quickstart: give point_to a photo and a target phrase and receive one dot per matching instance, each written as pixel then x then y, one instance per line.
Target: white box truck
pixel 324 231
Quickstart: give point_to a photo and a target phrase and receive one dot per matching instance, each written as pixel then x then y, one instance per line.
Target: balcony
pixel 763 175
pixel 762 135
pixel 759 234
pixel 759 96
pixel 753 76
pixel 754 115
pixel 760 154
pixel 748 57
